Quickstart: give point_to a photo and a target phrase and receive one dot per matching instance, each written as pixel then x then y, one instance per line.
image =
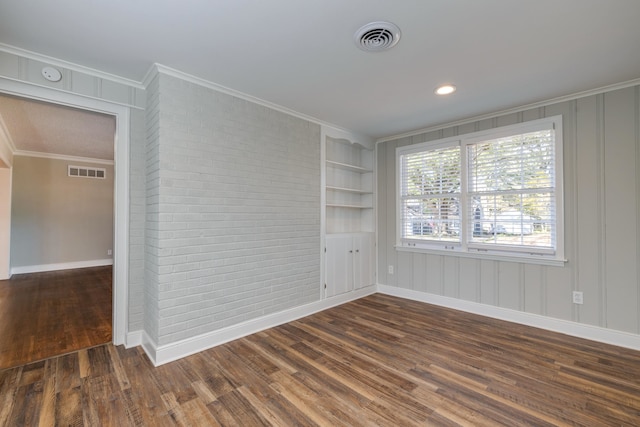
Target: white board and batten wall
pixel 602 227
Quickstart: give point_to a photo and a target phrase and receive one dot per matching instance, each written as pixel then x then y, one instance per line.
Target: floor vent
pixel 86 172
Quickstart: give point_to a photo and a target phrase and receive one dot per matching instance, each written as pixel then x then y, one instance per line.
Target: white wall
pixel 57 220
pixel 602 223
pixel 233 210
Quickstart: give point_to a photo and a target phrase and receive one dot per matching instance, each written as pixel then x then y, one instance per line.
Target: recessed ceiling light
pixel 445 89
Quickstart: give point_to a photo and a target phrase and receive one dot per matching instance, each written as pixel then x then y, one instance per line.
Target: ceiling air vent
pixel 377 36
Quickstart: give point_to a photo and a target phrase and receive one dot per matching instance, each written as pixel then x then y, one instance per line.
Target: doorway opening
pixel 59 297
pixel 120 250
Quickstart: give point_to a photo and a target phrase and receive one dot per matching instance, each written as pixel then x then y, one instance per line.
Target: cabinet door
pixel 363 250
pixel 339 265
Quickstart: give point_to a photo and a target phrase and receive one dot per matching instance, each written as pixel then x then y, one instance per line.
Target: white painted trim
pixel 68 65
pixel 166 353
pixel 149 346
pixel 162 69
pixel 594 333
pixel 352 137
pixel 7 140
pixel 5 227
pixel 519 109
pixel 323 211
pixel 61 266
pixel 62 157
pixel 133 339
pixel 121 183
pixel 539 260
pixel 7 146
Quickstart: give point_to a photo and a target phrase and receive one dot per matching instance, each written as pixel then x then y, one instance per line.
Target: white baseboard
pixel 133 339
pixel 594 333
pixel 162 354
pixel 149 346
pixel 61 266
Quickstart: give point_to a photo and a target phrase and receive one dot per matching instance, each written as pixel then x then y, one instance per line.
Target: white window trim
pixel 463 249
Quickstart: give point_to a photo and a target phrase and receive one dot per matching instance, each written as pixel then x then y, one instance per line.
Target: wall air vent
pixel 377 36
pixel 86 172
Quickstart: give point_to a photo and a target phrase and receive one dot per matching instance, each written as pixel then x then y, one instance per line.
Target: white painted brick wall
pixel 233 210
pixel 152 185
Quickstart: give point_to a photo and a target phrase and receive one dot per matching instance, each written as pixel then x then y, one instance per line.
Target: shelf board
pixel 336 205
pixel 348 233
pixel 348 167
pixel 349 190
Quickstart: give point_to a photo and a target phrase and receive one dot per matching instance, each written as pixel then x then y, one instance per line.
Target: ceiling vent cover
pixel 377 36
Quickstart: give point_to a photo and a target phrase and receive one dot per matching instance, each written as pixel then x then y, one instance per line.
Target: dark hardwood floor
pixel 376 361
pixel 49 314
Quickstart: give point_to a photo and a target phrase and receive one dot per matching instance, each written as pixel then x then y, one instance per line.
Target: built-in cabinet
pixel 350 262
pixel 349 217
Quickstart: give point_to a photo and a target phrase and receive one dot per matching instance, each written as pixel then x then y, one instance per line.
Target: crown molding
pixel 156 69
pixel 69 65
pixel 64 157
pixel 570 97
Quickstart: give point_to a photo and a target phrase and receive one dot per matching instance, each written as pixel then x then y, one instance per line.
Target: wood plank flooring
pixel 376 361
pixel 49 314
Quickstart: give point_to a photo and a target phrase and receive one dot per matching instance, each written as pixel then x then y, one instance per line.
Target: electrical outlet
pixel 577 297
pixel 109 252
pixel 391 269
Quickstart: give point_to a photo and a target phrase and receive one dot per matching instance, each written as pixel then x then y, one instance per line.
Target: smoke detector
pixel 377 36
pixel 51 74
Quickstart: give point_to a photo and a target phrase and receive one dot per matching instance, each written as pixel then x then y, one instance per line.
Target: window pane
pixel 431 172
pixel 432 219
pixel 513 219
pixel 512 163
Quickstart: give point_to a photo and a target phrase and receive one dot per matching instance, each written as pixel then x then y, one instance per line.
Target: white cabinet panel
pixel 364 260
pixel 350 262
pixel 339 276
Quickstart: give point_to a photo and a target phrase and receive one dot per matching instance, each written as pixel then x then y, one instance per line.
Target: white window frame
pixel 468 249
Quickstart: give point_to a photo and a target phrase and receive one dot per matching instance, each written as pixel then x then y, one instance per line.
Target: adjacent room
pixel 319 213
pixel 57 298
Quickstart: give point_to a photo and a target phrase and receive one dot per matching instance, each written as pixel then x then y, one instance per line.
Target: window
pixel 496 192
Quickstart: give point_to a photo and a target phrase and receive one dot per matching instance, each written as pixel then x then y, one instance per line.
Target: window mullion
pixel 464 206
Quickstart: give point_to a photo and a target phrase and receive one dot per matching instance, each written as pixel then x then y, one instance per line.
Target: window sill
pixel 484 256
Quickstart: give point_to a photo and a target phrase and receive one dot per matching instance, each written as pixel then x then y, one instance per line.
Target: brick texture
pixel 232 210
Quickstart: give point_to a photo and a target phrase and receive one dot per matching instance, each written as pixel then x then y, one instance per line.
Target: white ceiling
pixel 301 54
pixel 53 129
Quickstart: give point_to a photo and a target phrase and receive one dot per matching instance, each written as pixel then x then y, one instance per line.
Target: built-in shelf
pixel 349 187
pixel 348 167
pixel 335 205
pixel 349 190
pixel 349 214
